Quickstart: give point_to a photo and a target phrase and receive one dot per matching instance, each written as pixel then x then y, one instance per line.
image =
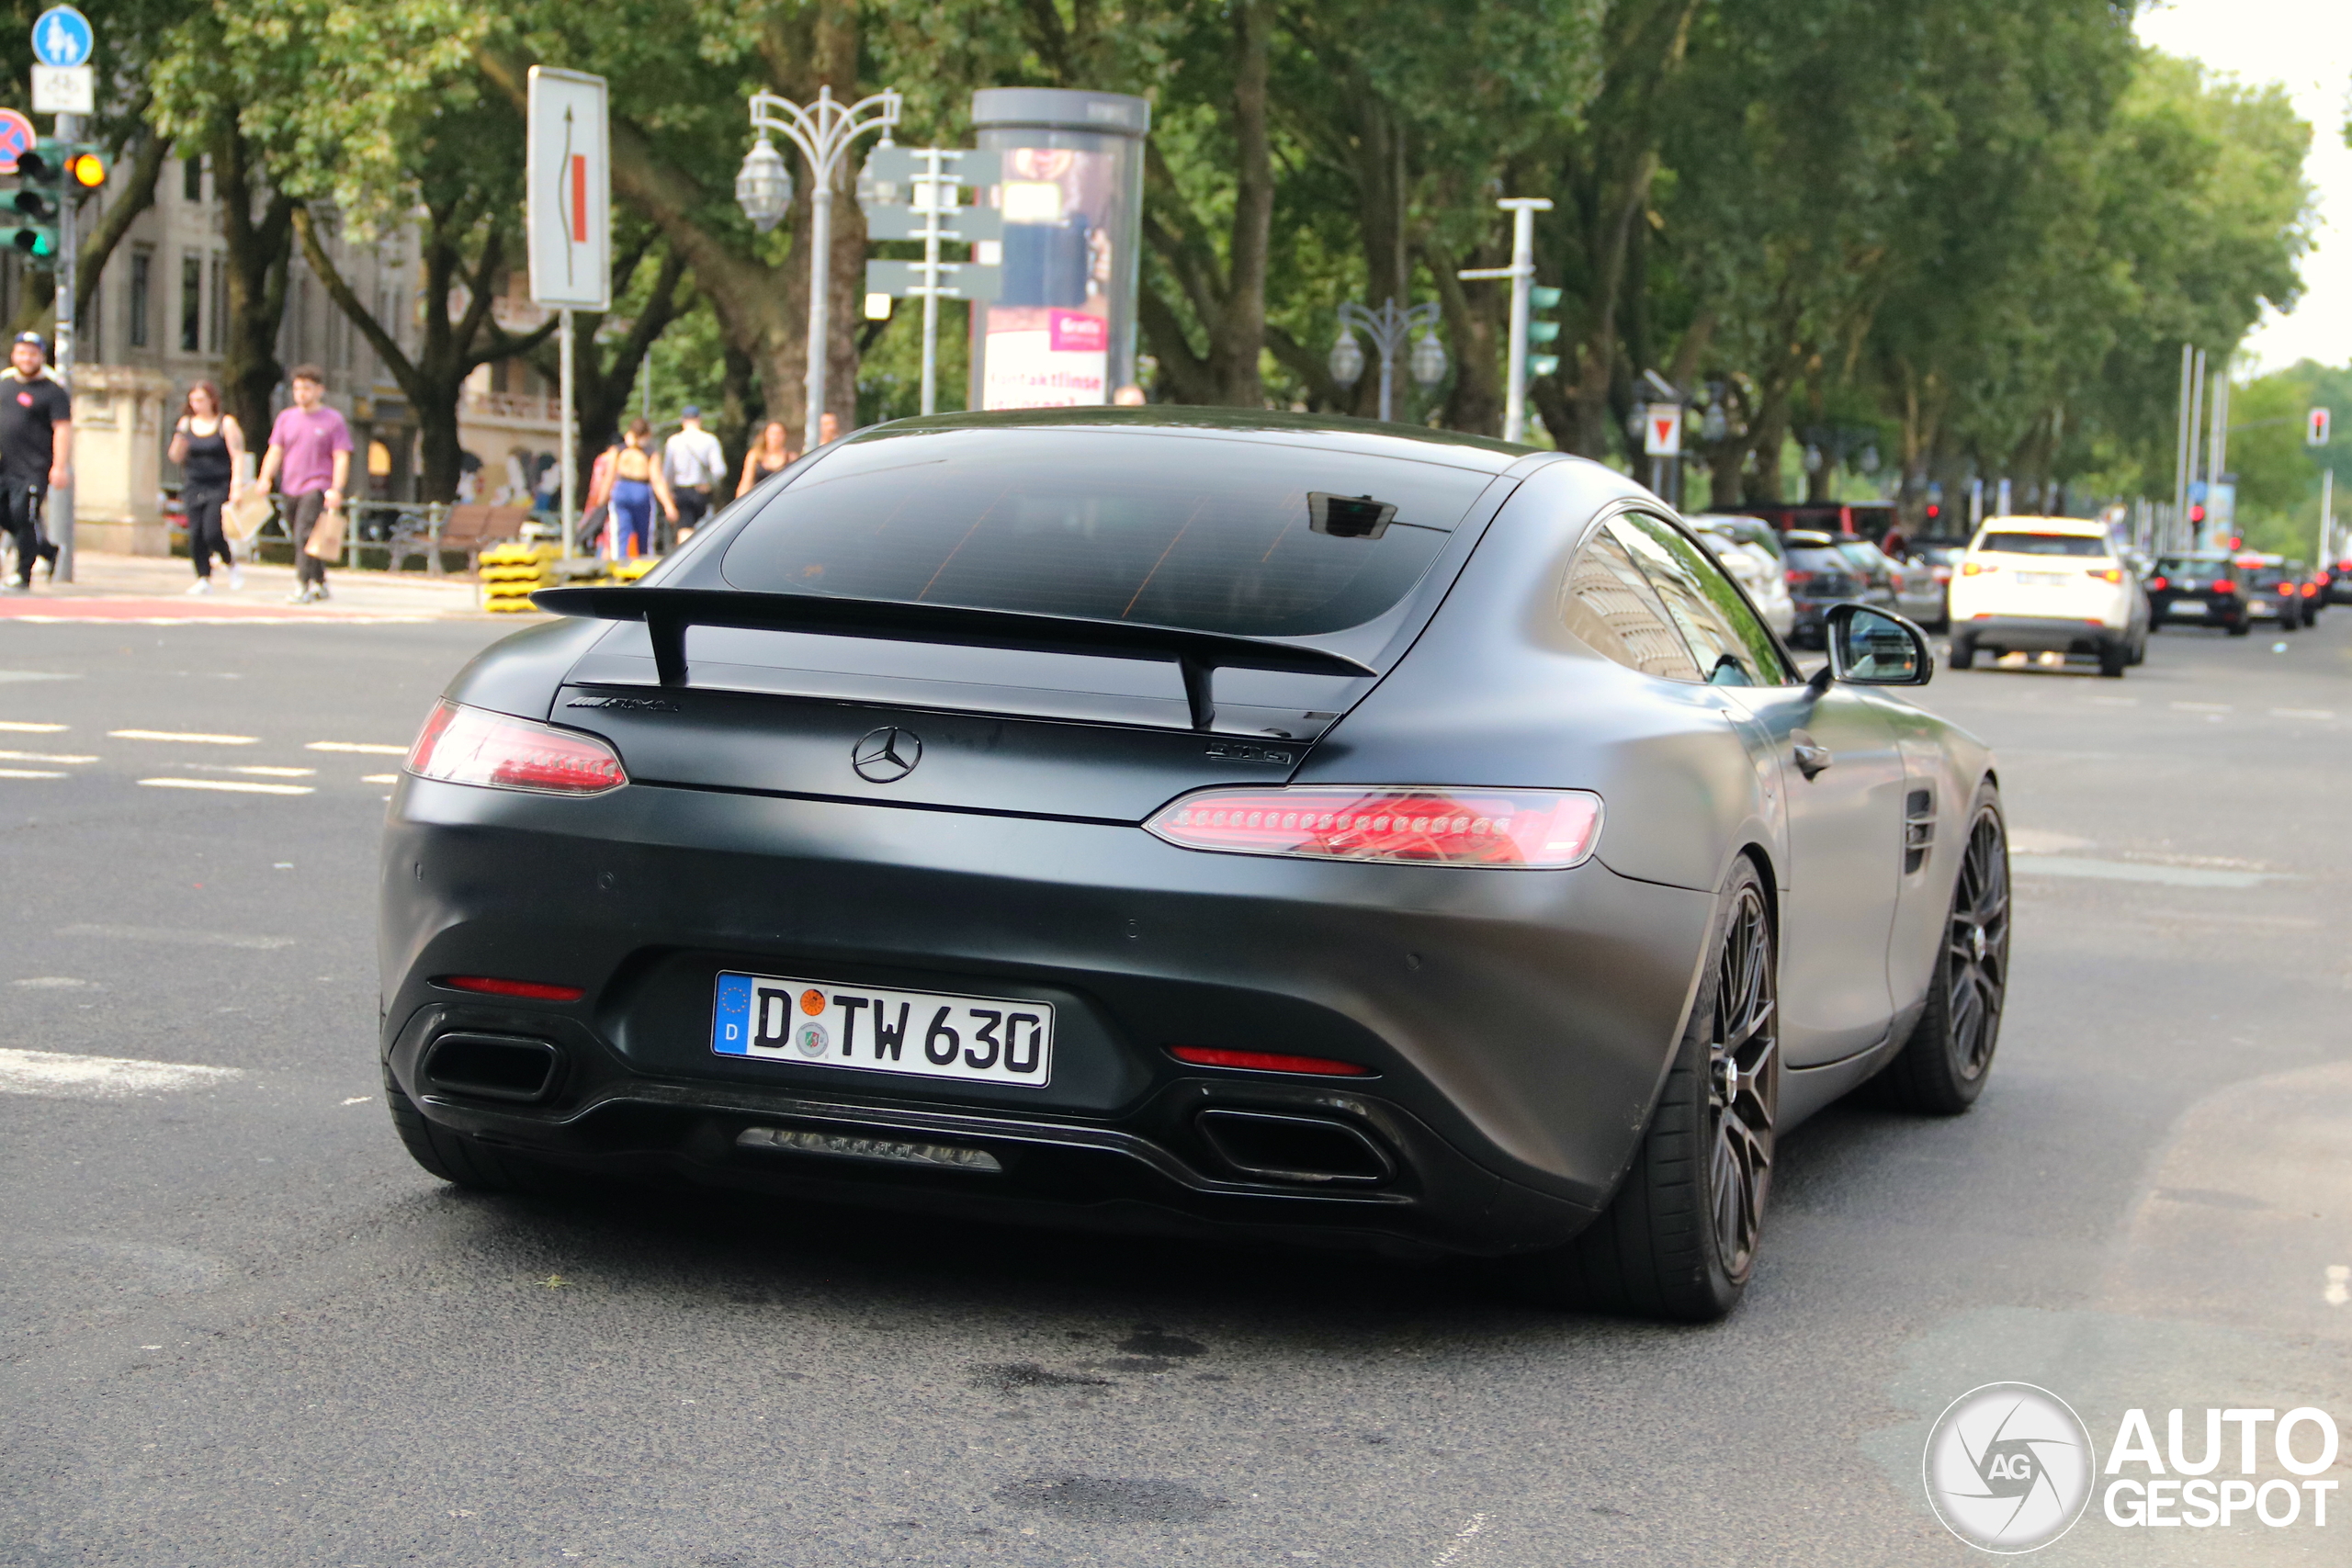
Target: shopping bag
pixel 326 535
pixel 242 518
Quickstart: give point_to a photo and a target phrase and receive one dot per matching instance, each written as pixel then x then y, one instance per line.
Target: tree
pixel 603 380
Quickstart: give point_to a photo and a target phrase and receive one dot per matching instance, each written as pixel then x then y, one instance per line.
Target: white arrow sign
pixel 568 193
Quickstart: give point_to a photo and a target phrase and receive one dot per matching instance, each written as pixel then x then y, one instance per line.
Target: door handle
pixel 1811 757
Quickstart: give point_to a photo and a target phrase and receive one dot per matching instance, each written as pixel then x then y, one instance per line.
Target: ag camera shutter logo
pixel 2008 1467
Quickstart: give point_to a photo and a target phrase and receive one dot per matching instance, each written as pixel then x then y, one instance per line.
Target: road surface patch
pixel 54 1074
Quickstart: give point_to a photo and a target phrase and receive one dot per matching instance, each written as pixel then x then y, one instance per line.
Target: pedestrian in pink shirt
pixel 309 451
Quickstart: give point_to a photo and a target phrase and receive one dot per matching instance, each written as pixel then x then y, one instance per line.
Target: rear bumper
pixel 2214 612
pixel 2036 634
pixel 1517 1025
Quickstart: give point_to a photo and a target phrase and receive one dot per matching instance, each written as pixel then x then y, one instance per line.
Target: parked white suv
pixel 2048 585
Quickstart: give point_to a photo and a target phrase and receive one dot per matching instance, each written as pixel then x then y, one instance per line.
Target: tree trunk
pixel 1238 337
pixel 1480 356
pixel 260 250
pixel 601 385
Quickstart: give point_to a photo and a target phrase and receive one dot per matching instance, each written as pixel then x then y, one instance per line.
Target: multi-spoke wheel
pixel 1680 1239
pixel 1942 1067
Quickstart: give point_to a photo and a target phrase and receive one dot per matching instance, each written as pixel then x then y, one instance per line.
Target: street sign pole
pixel 568 424
pixel 1522 273
pixel 929 193
pixel 61 501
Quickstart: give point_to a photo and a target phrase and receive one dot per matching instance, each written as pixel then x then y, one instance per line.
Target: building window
pixel 219 334
pixel 191 303
pixel 192 178
pixel 142 283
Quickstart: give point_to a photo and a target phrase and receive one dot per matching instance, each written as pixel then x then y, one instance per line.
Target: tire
pixel 468 1162
pixel 1678 1240
pixel 1964 654
pixel 2113 659
pixel 1941 1068
pixel 2239 628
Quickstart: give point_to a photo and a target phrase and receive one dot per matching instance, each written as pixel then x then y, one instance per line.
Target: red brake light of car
pixel 2157 585
pixel 1518 829
pixel 1976 569
pixel 2104 573
pixel 2287 588
pixel 2311 590
pixel 529 990
pixel 2224 585
pixel 472 746
pixel 1266 1062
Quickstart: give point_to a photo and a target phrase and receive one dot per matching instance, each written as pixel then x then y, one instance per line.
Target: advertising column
pixel 1061 333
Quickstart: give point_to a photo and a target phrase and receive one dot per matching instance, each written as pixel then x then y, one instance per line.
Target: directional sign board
pixel 2316 427
pixel 16 135
pixel 568 193
pixel 961 225
pixel 896 164
pixel 957 280
pixel 62 39
pixel 1662 430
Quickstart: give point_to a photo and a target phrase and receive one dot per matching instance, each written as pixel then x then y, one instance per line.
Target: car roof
pixel 2077 525
pixel 1411 443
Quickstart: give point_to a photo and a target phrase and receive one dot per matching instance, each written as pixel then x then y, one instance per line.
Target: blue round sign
pixel 61 36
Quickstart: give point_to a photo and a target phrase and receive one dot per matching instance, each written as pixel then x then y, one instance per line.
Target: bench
pixel 468 526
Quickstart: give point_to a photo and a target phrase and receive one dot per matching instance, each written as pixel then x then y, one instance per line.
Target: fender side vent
pixel 493 1066
pixel 1918 829
pixel 1307 1150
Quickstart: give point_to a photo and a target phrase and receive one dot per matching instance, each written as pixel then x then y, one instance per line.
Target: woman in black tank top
pixel 769 453
pixel 207 446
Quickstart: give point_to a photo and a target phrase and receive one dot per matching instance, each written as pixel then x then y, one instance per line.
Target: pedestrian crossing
pixel 182 760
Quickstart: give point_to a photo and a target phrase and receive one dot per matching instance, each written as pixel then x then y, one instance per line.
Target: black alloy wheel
pixel 1678 1240
pixel 1943 1067
pixel 1743 1082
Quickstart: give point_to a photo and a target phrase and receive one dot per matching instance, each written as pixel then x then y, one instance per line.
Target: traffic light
pixel 2197 512
pixel 1541 298
pixel 45 175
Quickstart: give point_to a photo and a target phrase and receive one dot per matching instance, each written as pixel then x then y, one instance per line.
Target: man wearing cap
pixel 36 451
pixel 692 462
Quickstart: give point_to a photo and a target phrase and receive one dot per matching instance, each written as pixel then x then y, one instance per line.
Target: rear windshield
pixel 2185 570
pixel 2044 544
pixel 1249 538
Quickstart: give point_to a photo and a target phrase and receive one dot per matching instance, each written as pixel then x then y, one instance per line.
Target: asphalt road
pixel 238 1326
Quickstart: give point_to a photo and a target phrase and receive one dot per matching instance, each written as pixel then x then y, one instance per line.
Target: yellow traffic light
pixel 87 170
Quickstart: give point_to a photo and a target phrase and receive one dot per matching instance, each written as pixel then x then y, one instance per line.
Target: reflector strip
pixel 1266 1062
pixel 531 990
pixel 890 1150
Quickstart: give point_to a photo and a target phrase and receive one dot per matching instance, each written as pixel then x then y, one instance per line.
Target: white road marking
pixel 59 1075
pixel 181 938
pixel 189 738
pixel 2339 1285
pixel 360 1099
pixel 27 773
pixel 2203 707
pixel 20 728
pixel 2275 713
pixel 365 748
pixel 257 770
pixel 2136 871
pixel 43 756
pixel 52 982
pixel 379 778
pixel 237 786
pixel 1460 1543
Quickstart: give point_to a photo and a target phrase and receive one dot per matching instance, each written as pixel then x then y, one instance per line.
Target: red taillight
pixel 529 990
pixel 1796 577
pixel 2224 585
pixel 2157 585
pixel 2105 574
pixel 2287 588
pixel 2311 590
pixel 1521 828
pixel 1976 569
pixel 471 746
pixel 1266 1062
pixel 1943 574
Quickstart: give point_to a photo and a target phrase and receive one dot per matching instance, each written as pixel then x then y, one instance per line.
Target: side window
pixel 1608 603
pixel 1732 643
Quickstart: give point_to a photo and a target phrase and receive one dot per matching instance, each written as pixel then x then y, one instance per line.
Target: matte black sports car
pixel 1200 822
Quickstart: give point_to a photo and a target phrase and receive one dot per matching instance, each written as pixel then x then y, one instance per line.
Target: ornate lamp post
pixel 823 131
pixel 1388 327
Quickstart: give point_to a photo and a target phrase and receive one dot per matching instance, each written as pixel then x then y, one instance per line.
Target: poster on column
pixel 1047 335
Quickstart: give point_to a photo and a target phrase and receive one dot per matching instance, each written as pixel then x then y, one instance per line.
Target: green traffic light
pixel 1542 331
pixel 1543 298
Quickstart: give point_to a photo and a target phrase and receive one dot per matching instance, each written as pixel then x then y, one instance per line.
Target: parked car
pixel 1939 558
pixel 2198 588
pixel 1750 551
pixel 1868 520
pixel 2274 591
pixel 2048 585
pixel 1915 590
pixel 1821 577
pixel 2339 582
pixel 1197 822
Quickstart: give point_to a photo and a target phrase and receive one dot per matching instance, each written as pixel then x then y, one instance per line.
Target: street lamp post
pixel 1387 328
pixel 823 131
pixel 1522 273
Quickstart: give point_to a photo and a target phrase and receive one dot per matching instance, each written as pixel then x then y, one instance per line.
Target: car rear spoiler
pixel 668 612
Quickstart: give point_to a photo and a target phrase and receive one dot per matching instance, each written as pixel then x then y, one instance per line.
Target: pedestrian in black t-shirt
pixel 36 451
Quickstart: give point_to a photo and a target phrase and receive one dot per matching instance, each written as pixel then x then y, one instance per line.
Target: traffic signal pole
pixel 1522 273
pixel 61 499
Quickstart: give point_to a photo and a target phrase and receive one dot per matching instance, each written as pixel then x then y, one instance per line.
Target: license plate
pixel 2043 579
pixel 920 1033
pixel 2262 609
pixel 2187 608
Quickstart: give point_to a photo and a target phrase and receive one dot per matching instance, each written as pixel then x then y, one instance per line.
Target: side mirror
pixel 1873 647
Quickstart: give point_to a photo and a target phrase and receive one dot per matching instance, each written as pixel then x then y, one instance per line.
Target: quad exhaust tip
pixel 493 1066
pixel 1313 1149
